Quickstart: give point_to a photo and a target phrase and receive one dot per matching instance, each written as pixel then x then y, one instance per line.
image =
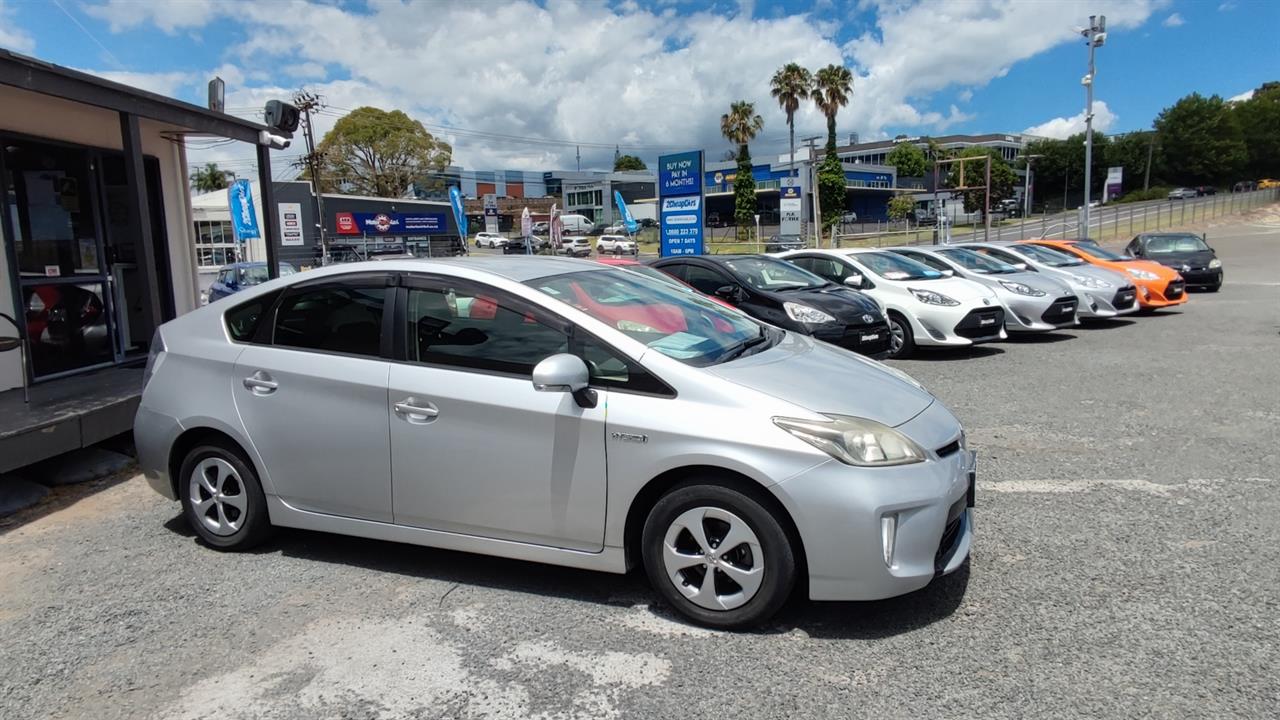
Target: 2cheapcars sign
pixel 681 203
pixel 390 223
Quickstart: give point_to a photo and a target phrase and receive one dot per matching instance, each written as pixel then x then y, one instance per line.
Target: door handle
pixel 415 413
pixel 260 383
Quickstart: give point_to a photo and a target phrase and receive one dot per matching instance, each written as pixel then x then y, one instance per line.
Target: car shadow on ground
pixel 866 620
pixel 933 354
pixel 1103 324
pixel 1038 338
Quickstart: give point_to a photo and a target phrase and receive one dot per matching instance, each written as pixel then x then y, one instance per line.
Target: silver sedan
pixel 1102 293
pixel 462 403
pixel 1035 302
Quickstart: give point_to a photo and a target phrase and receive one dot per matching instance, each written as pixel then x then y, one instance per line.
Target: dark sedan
pixel 780 293
pixel 1189 254
pixel 782 243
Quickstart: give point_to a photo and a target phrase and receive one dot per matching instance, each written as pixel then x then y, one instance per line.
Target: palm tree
pixel 792 84
pixel 209 178
pixel 741 125
pixel 832 87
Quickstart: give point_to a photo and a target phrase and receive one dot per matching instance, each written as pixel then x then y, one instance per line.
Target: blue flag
pixel 460 217
pixel 628 221
pixel 244 221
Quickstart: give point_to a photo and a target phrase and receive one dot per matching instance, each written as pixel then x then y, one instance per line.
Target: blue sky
pixel 656 75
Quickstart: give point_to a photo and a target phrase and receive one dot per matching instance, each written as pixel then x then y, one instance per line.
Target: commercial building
pixel 868 189
pixel 99 243
pixel 1009 145
pixel 590 193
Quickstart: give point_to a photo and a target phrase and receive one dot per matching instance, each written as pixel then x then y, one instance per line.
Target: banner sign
pixel 391 223
pixel 244 220
pixel 790 207
pixel 526 223
pixel 627 221
pixel 680 208
pixel 290 223
pixel 491 213
pixel 459 217
pixel 1115 183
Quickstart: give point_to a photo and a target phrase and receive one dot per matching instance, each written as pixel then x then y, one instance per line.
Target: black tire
pixel 779 558
pixel 254 524
pixel 1214 288
pixel 908 337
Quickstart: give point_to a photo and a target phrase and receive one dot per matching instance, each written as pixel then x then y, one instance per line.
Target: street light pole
pixel 1095 36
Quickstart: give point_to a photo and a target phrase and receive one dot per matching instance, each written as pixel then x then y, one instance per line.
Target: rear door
pixel 314 400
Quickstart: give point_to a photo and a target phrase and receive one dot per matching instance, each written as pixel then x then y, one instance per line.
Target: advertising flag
pixel 627 221
pixel 455 199
pixel 244 220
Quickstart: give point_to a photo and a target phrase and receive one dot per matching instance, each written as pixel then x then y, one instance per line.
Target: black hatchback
pixel 1189 254
pixel 782 294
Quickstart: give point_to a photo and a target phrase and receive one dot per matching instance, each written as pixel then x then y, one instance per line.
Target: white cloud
pixel 558 69
pixel 165 83
pixel 1246 95
pixel 12 36
pixel 1174 20
pixel 1227 6
pixel 966 95
pixel 1063 127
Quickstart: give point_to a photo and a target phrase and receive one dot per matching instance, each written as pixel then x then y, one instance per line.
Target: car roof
pixel 517 268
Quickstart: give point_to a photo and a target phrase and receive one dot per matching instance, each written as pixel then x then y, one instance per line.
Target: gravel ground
pixel 1125 566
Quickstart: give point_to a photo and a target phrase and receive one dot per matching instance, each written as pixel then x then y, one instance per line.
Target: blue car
pixel 234 278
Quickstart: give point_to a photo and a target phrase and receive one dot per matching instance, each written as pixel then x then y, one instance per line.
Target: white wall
pixel 42 116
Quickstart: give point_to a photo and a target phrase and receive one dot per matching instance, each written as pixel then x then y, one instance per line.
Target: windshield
pixel 896 267
pixel 257 274
pixel 772 275
pixel 675 322
pixel 974 262
pixel 1162 244
pixel 1095 250
pixel 1048 256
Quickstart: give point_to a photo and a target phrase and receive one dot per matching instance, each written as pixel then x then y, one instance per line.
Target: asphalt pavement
pixel 1124 566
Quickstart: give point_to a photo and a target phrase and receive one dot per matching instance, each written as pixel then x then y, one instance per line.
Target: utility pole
pixel 1026 193
pixel 1146 176
pixel 813 188
pixel 306 102
pixel 1095 35
pixel 577 149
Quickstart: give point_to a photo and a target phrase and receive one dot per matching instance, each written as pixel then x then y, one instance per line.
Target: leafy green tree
pixel 209 178
pixel 740 126
pixel 1201 142
pixel 908 159
pixel 380 153
pixel 832 87
pixel 791 85
pixel 1003 178
pixel 1130 151
pixel 1061 168
pixel 1259 121
pixel 901 207
pixel 627 163
pixel 831 190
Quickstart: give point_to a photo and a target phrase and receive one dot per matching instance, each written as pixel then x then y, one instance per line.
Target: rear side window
pixel 344 318
pixel 243 320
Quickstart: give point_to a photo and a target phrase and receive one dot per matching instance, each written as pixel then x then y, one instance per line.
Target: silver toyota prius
pixel 554 410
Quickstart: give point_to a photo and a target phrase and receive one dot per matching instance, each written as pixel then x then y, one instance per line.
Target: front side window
pixel 980 264
pixel 825 267
pixel 1095 250
pixel 704 279
pixel 676 323
pixel 466 327
pixel 1045 256
pixel 932 262
pixel 342 318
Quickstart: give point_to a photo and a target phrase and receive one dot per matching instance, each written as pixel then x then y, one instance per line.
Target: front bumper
pixel 1161 293
pixel 959 326
pixel 1108 303
pixel 870 340
pixel 1203 278
pixel 1032 314
pixel 840 510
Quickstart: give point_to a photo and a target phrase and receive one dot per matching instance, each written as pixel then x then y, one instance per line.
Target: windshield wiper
pixel 741 348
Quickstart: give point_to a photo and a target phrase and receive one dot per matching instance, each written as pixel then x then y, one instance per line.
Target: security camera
pixel 1087 80
pixel 273 141
pixel 1099 39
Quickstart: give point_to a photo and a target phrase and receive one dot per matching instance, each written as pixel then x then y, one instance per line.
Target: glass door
pixel 54 235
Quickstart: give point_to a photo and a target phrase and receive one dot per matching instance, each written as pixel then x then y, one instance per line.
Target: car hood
pixel 1117 279
pixel 1039 281
pixel 1160 271
pixel 845 304
pixel 965 290
pixel 1198 258
pixel 826 379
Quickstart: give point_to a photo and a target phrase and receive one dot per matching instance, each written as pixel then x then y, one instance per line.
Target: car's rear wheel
pixel 222 498
pixel 902 341
pixel 718 555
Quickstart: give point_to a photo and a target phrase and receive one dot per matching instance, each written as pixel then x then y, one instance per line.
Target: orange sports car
pixel 1158 286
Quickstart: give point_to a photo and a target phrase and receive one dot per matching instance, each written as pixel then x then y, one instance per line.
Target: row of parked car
pixel 569 245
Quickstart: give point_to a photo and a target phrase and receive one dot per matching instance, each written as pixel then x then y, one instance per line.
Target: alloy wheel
pixel 713 558
pixel 218 498
pixel 897 337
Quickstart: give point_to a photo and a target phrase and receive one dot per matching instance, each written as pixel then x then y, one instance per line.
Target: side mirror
pixel 854 280
pixel 1022 266
pixel 565 373
pixel 729 292
pixel 948 273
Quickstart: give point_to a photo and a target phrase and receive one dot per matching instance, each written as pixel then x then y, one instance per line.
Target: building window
pixel 216 244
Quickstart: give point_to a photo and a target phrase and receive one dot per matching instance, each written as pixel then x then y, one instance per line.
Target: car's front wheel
pixel 901 340
pixel 718 555
pixel 222 498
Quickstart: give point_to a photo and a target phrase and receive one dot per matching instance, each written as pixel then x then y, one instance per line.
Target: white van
pixel 577 223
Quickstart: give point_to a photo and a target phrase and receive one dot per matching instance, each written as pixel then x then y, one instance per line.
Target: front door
pixel 314 402
pixel 474 448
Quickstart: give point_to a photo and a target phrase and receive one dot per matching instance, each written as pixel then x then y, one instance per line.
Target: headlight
pixel 855 441
pixel 1021 289
pixel 1142 274
pixel 1093 283
pixel 1215 263
pixel 806 314
pixel 929 297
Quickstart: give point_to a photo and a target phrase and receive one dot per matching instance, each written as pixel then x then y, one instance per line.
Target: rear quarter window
pixel 243 320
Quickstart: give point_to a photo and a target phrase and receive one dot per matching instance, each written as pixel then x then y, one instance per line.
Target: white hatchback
pixel 925 307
